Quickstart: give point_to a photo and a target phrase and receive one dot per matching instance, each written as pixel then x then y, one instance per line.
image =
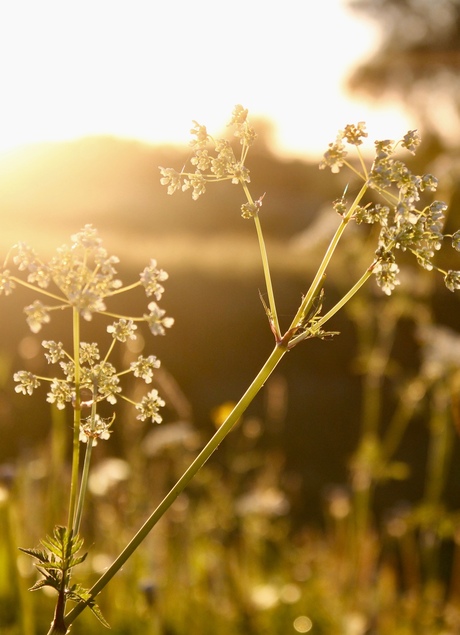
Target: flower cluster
pixel 98 378
pixel 84 277
pixel 405 224
pixel 221 164
pixel 386 270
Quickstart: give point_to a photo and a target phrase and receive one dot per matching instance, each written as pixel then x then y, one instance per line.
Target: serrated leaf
pixel 42 583
pixel 61 533
pixel 58 543
pixel 35 553
pixel 77 593
pixel 53 565
pixel 97 612
pixel 77 544
pixel 75 561
pixel 53 547
pixel 52 573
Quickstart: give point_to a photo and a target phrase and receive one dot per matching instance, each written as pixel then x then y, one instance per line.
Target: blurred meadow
pixel 334 506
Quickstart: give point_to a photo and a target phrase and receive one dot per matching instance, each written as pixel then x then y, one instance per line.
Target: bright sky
pixel 145 69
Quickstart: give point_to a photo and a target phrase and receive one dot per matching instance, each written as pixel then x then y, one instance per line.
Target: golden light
pixel 144 70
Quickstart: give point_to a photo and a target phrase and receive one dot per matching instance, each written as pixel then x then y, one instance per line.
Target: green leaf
pixel 59 558
pixel 97 612
pixel 35 553
pixel 73 562
pixel 42 583
pixel 78 594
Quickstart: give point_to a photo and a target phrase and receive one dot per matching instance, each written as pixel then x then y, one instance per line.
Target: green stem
pixel 124 289
pixel 346 298
pixel 76 421
pixel 28 285
pixel 84 476
pixel 58 624
pixel 265 265
pixel 268 281
pixel 398 423
pixel 440 447
pixel 111 347
pixel 83 485
pixel 197 464
pixel 309 298
pixel 86 464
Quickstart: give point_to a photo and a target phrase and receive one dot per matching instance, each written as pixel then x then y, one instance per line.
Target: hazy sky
pixel 145 69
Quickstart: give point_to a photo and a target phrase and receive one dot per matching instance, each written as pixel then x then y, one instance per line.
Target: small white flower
pixel 155 320
pixel 95 428
pixel 27 382
pixel 122 330
pixel 37 315
pixel 151 278
pixel 144 367
pixel 149 406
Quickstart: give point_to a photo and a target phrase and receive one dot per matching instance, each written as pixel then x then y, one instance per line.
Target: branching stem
pixel 197 464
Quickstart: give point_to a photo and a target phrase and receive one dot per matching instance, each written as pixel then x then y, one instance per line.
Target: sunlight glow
pixel 145 70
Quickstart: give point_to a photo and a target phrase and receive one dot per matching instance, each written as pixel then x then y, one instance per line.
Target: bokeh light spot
pixel 303 624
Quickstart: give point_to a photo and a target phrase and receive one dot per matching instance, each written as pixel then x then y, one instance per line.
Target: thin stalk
pixel 83 485
pixel 268 281
pixel 265 265
pixel 86 464
pixel 128 287
pixel 28 285
pixel 76 420
pixel 111 347
pixel 397 427
pixel 58 623
pixel 439 456
pixel 378 357
pixel 440 449
pixel 309 298
pixel 368 455
pixel 347 297
pixel 266 370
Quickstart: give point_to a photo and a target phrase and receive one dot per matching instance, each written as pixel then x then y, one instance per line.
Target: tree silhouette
pixel 417 62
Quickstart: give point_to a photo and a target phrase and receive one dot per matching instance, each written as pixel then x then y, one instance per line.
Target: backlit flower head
pixel 144 367
pixel 94 428
pixel 406 223
pixel 83 276
pixel 27 382
pixel 6 283
pixel 149 407
pixel 151 278
pixel 217 163
pixel 335 156
pixel 122 330
pixel 60 393
pixel 156 321
pixel 55 351
pixel 37 314
pixel 171 178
